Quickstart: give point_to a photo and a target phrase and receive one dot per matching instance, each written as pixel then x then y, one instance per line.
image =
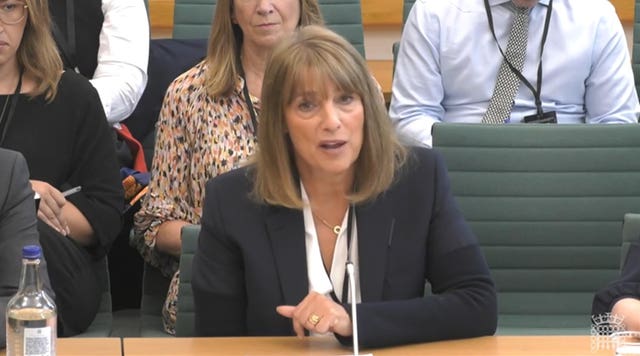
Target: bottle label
pixel 37 341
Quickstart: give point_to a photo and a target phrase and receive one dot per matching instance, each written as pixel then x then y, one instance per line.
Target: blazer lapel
pixel 375 223
pixel 285 228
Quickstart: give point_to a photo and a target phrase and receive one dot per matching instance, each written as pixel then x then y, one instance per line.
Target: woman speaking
pixel 331 184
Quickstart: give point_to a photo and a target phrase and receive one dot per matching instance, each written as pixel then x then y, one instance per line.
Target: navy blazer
pixel 251 258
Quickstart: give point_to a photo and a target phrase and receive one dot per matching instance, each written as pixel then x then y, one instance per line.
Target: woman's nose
pixel 331 116
pixel 265 7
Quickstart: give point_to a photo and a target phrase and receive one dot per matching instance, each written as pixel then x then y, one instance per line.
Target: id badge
pixel 546 118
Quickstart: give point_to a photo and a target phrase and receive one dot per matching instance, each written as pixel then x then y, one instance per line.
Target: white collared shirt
pixel 448 64
pixel 123 55
pixel 319 281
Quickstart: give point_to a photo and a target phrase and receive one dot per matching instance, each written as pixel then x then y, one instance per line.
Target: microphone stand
pixel 354 313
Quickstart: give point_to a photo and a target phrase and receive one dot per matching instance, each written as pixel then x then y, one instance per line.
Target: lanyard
pixel 536 92
pixel 252 111
pixel 4 123
pixel 345 281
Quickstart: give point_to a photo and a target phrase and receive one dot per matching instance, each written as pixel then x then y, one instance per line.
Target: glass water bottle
pixel 31 313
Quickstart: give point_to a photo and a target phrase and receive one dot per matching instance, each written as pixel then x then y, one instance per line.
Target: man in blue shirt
pixel 449 60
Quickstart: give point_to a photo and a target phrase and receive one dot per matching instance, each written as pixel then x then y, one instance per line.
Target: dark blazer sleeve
pixel 218 275
pixel 625 286
pixel 463 300
pixel 17 228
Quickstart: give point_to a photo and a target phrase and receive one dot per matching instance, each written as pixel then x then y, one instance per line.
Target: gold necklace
pixel 335 228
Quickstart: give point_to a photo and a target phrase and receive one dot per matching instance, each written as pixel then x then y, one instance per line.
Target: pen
pixel 73 190
pixel 66 193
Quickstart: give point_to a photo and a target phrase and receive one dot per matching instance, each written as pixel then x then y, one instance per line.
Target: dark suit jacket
pixel 17 227
pixel 251 258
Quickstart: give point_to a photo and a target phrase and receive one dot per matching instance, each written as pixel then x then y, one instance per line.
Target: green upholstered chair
pixel 630 233
pixel 547 204
pixel 185 319
pixel 345 18
pixel 406 8
pixel 154 293
pixel 192 19
pixel 101 325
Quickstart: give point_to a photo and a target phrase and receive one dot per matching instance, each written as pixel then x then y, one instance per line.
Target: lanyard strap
pixel 252 111
pixel 4 123
pixel 345 281
pixel 536 91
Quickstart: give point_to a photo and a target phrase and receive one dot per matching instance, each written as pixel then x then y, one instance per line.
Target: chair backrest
pixel 154 293
pixel 192 19
pixel 406 9
pixel 185 319
pixel 630 234
pixel 547 203
pixel 635 56
pixel 345 18
pixel 103 322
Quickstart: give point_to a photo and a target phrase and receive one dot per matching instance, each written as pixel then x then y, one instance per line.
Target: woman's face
pixel 13 19
pixel 326 130
pixel 265 22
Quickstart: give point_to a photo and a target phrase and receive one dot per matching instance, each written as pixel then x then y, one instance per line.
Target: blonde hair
pixel 38 54
pixel 326 56
pixel 225 40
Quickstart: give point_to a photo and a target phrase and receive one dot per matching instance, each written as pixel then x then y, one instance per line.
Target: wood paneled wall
pixel 624 9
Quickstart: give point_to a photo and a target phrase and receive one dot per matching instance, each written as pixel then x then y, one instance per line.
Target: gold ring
pixel 314 319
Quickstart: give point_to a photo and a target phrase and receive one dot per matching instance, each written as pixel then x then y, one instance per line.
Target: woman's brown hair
pixel 38 53
pixel 225 40
pixel 316 52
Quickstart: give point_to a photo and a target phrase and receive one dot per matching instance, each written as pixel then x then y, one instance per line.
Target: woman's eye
pixel 346 98
pixel 305 106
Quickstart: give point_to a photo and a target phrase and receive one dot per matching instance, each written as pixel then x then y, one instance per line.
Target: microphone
pixel 354 312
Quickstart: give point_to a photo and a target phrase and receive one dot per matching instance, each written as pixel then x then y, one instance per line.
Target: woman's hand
pixel 319 314
pixel 50 207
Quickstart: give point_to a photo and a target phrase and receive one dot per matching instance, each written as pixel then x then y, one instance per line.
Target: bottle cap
pixel 31 252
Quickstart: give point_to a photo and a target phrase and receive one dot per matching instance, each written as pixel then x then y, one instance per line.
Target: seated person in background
pixel 208 122
pixel 449 63
pixel 622 296
pixel 17 228
pixel 56 121
pixel 110 47
pixel 332 184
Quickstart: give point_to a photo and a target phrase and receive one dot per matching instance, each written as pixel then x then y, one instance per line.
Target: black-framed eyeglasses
pixel 12 12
